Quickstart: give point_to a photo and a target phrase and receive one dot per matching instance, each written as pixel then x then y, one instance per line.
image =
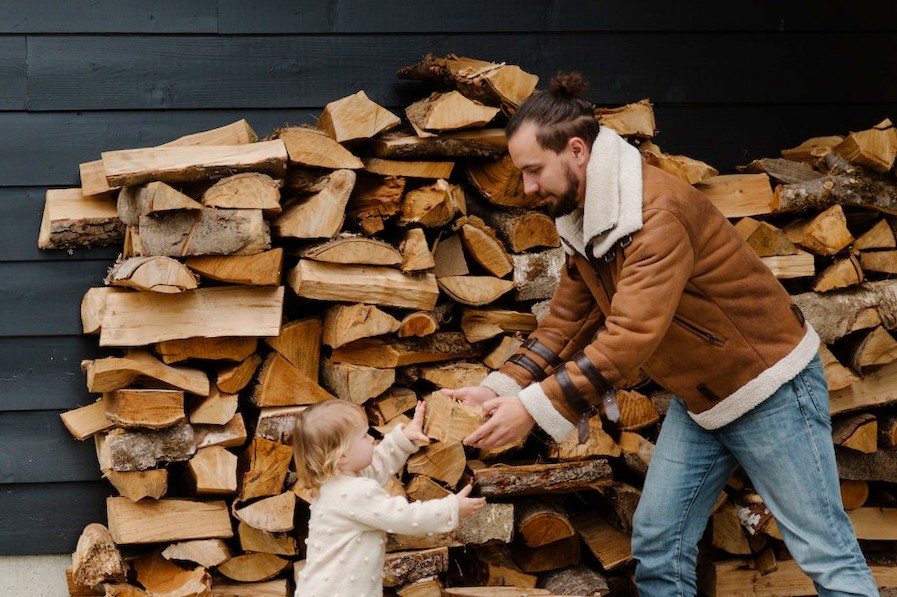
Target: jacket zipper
pixel 703 333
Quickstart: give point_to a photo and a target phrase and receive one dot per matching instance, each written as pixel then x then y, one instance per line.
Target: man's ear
pixel 579 150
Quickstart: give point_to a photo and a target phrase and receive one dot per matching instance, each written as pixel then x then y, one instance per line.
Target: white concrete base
pixel 34 576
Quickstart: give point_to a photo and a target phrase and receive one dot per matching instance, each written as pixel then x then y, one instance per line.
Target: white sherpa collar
pixel 613 204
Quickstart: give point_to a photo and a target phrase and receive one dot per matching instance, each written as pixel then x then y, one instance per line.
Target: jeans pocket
pixel 813 386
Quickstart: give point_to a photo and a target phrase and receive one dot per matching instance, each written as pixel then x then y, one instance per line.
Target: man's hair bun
pixel 570 84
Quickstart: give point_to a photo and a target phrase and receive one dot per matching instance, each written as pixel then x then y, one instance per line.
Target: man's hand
pixel 414 430
pixel 508 422
pixel 471 395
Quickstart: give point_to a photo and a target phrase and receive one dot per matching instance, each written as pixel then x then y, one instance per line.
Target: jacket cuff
pixel 544 413
pixel 502 384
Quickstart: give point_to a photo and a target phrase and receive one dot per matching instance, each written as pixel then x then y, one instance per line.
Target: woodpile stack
pixel 378 259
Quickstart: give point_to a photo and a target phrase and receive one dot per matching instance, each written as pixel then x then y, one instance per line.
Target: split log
pixel 363 284
pixel 854 493
pixel 276 423
pixel 93 307
pixel 444 461
pixel 96 558
pixel 500 182
pixel 522 230
pixel 553 556
pixel 764 238
pixel 253 567
pixel 727 532
pixel 576 580
pixel 416 255
pixel 474 290
pixel 482 324
pixel 782 267
pixel 131 318
pixel 494 84
pixel 87 420
pixel 210 231
pixel 506 481
pixel 494 592
pixel 173 164
pixel 880 465
pixel 879 236
pixel 877 347
pixel 537 275
pixel 418 324
pixel 825 234
pixel 73 220
pixel 636 410
pixel 374 200
pixel 836 314
pixel 255 540
pixel 299 342
pixel 879 261
pixel 420 169
pixel 356 383
pixel 501 353
pixel 493 524
pixel 249 190
pixel 857 432
pixel 887 430
pixel 632 120
pixel 308 146
pixel 812 149
pixel 540 521
pixel 231 435
pixel 161 577
pixel 432 205
pixel 111 373
pixel 403 567
pixel 739 195
pixel 136 485
pixel 378 352
pixel 214 349
pixel 782 170
pixel 449 257
pixel 259 269
pixel 278 587
pixel 425 587
pixel 205 552
pixel 391 404
pixel 450 421
pixel 611 546
pixel 213 471
pixel 597 444
pixel 481 244
pixel 156 521
pixel 320 215
pixel 682 167
pixel 346 323
pixel 878 387
pixel 142 450
pixel 273 514
pixel 467 143
pixel 447 111
pixel 354 118
pixel 152 198
pixel 837 375
pixel 352 249
pixel 263 465
pixel 842 273
pixel 453 375
pixel 637 451
pixel 232 380
pixel 500 570
pixel 280 383
pixel 874 148
pixel 149 408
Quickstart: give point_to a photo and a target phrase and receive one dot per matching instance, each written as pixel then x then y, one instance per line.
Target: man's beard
pixel 568 201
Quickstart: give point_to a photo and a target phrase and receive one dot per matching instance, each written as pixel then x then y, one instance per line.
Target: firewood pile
pixel 378 259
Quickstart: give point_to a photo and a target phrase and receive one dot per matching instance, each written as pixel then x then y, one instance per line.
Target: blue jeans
pixel 785 447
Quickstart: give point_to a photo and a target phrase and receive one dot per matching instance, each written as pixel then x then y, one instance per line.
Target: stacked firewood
pixel 377 259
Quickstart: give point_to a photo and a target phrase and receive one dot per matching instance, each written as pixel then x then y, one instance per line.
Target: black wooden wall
pixel 730 82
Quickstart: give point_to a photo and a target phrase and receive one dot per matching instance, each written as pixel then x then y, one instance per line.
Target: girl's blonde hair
pixel 321 436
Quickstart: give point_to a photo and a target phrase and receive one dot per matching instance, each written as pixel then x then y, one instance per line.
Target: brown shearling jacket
pixel 687 302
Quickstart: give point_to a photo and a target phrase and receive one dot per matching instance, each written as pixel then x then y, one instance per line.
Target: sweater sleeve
pixel 390 456
pixel 373 507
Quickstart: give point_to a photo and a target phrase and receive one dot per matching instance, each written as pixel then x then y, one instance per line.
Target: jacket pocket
pixel 699 331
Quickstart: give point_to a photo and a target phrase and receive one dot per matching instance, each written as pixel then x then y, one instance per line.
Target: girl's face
pixel 360 453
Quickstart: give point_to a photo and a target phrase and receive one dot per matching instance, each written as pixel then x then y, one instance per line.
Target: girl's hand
pixel 468 506
pixel 471 395
pixel 414 430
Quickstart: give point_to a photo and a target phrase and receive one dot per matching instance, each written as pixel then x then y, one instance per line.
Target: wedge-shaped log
pixel 232 380
pixel 205 552
pixel 376 285
pixel 356 383
pixel 439 460
pixel 450 421
pixel 432 205
pixel 248 190
pixel 874 148
pixel 405 169
pixel 162 577
pixel 481 244
pixel 281 383
pixel 764 238
pixel 416 254
pixel 500 182
pixel 87 420
pixel 345 323
pixel 133 318
pixel 374 200
pixel 96 558
pixel 598 443
pixel 447 111
pixel 253 567
pixel 111 373
pixel 152 198
pixel 522 229
pixel 213 471
pixel 259 269
pixel 224 348
pixel 320 215
pixel 841 273
pixel 631 120
pixel 353 249
pixel 273 514
pixel 483 142
pixel 93 307
pixel 475 290
pixel 739 195
pixel 73 220
pixel 263 468
pixel 136 485
pixel 355 117
pixel 143 407
pixel 308 146
pixel 824 234
pixel 152 274
pixel 611 546
pixel 482 324
pixel 299 342
pixel 158 521
pixel 216 409
pixel 379 352
pixel 255 540
pixel 175 164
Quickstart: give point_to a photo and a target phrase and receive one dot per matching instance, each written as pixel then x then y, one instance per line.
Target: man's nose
pixel 529 185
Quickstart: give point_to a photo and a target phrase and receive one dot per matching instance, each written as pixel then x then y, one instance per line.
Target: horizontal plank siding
pixel 109 16
pixel 12 73
pixel 35 447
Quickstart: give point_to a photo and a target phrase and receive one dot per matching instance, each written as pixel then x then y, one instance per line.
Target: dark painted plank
pixel 429 16
pixel 35 447
pixel 48 518
pixel 44 149
pixel 109 16
pixel 44 373
pixel 12 73
pixel 44 298
pixel 22 209
pixel 297 71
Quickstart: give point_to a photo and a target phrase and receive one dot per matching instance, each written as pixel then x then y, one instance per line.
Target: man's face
pixel 553 177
